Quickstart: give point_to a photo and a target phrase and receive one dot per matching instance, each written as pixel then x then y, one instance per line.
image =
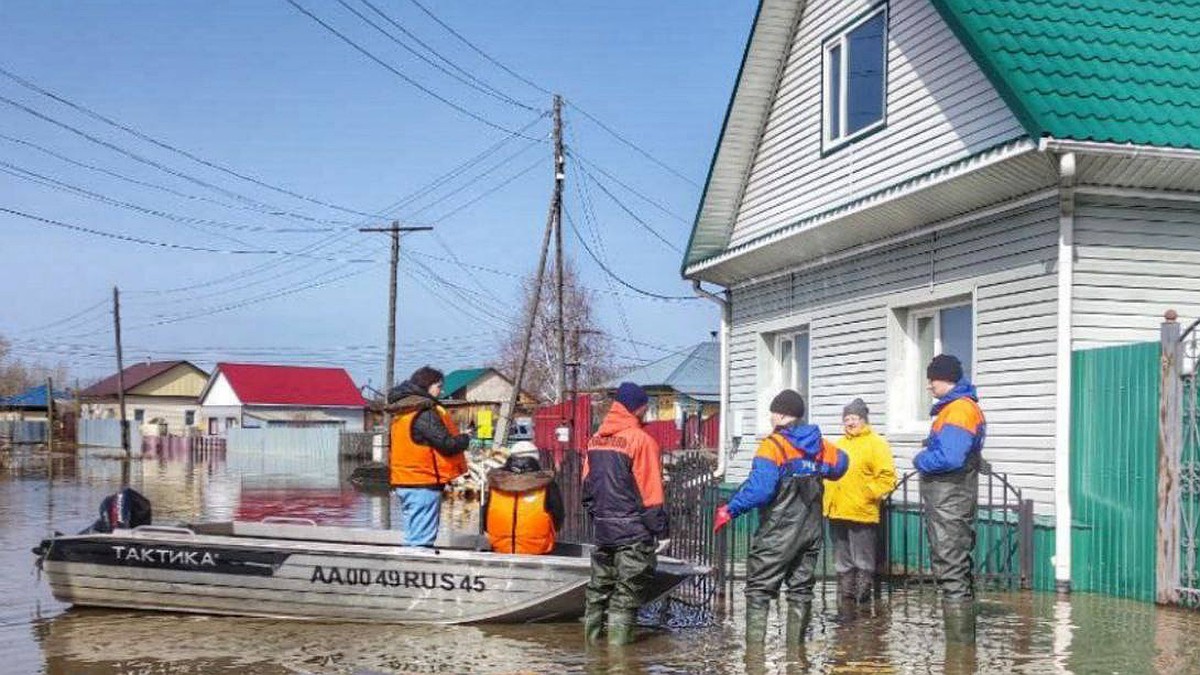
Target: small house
pixel 474 397
pixel 259 395
pixel 1008 181
pixel 32 404
pixel 684 389
pixel 160 396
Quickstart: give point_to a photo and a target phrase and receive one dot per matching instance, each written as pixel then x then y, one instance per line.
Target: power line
pixel 637 148
pixel 486 172
pixel 632 190
pixel 617 278
pixel 167 146
pixel 467 79
pixel 658 235
pixel 429 92
pixel 447 215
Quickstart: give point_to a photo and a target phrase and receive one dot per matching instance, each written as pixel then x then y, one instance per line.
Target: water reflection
pixel 902 633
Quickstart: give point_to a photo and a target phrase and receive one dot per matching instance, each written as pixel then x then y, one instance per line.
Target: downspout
pixel 723 337
pixel 1062 417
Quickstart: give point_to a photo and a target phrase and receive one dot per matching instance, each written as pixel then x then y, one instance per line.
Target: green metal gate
pixel 1189 469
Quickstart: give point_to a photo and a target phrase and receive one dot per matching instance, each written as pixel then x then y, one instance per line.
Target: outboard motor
pixel 126 509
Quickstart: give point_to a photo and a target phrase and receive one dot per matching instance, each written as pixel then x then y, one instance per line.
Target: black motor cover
pixel 126 509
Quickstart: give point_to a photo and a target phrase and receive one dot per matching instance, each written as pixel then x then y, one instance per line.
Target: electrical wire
pixel 574 153
pixel 614 275
pixel 646 226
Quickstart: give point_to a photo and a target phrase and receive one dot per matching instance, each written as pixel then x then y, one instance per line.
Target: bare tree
pixel 587 343
pixel 16 375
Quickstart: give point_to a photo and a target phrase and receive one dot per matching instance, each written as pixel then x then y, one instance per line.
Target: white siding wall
pixel 1135 259
pixel 940 108
pixel 1007 263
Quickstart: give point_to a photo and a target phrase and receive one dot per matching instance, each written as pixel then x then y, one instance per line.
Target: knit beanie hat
pixel 788 402
pixel 425 377
pixel 631 396
pixel 945 368
pixel 525 448
pixel 856 407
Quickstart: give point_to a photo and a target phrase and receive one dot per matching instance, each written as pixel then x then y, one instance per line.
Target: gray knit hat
pixel 857 407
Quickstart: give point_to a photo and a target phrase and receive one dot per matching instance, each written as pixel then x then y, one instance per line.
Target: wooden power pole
pixel 553 223
pixel 559 177
pixel 389 373
pixel 120 371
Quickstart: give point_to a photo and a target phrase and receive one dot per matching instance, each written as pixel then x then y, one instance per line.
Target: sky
pixel 246 142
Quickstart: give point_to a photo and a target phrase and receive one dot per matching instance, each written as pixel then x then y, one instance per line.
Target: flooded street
pixel 1020 633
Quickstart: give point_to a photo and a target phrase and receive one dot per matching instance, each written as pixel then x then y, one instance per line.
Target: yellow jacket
pixel 872 474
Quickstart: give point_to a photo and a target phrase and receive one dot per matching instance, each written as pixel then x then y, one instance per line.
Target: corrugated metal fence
pixel 20 432
pixel 316 440
pixel 106 433
pixel 1114 433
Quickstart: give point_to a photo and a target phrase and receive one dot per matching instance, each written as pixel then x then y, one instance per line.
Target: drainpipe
pixel 723 421
pixel 1062 417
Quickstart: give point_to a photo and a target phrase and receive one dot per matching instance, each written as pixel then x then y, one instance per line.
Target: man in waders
pixel 785 485
pixel 949 466
pixel 623 494
pixel 852 503
pixel 524 505
pixel 427 453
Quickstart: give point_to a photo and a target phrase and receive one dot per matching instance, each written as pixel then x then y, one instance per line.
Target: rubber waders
pixel 959 618
pixel 798 617
pixel 757 611
pixel 593 624
pixel 620 627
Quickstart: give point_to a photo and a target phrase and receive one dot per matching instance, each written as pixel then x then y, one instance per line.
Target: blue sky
pixel 261 89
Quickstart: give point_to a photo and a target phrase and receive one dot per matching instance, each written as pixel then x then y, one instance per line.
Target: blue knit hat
pixel 631 396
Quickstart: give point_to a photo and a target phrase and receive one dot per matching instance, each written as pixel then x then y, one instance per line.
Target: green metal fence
pixel 1114 431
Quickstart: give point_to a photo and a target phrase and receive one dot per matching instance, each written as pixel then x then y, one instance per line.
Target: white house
pixel 158 395
pixel 1007 180
pixel 258 395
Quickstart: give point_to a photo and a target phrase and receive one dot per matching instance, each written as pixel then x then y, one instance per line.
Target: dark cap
pixel 945 368
pixel 856 407
pixel 788 402
pixel 631 396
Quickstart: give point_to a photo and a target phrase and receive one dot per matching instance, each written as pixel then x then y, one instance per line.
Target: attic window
pixel 855 79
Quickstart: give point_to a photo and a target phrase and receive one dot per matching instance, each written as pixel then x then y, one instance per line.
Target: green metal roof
pixel 461 378
pixel 1116 71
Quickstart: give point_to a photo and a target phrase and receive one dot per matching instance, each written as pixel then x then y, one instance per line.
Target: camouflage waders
pixel 621 576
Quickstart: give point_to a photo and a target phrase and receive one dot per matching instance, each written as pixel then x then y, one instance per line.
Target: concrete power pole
pixel 553 223
pixel 120 371
pixel 389 373
pixel 559 177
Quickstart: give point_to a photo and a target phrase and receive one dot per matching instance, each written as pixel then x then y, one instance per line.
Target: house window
pixel 855 77
pixel 791 362
pixel 230 422
pixel 139 415
pixel 944 329
pixel 189 418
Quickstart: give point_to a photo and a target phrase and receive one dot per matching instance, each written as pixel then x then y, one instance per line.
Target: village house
pixel 474 396
pixel 1007 181
pixel 32 404
pixel 160 397
pixel 682 383
pixel 259 395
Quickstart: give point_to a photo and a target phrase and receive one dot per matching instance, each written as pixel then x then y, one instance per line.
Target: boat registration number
pixel 431 581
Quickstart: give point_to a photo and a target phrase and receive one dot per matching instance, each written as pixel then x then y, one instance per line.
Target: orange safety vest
pixel 517 522
pixel 414 464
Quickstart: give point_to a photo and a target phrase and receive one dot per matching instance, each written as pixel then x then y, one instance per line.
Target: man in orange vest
pixel 524 506
pixel 427 453
pixel 623 494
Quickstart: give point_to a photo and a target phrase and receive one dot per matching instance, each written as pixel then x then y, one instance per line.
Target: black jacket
pixel 427 428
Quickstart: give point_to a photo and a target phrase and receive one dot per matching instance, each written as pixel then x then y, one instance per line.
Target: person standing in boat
pixel 785 485
pixel 427 453
pixel 524 505
pixel 852 503
pixel 623 495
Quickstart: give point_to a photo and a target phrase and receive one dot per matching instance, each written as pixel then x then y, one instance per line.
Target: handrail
pixel 163 529
pixel 1191 327
pixel 279 520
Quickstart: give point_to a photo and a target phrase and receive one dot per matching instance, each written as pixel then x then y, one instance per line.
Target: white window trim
pixel 905 415
pixel 770 375
pixel 842 39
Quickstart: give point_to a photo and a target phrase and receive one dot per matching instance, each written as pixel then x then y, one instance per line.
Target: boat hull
pixel 179 571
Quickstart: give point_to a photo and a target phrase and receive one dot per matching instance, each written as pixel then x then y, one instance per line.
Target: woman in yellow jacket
pixel 852 503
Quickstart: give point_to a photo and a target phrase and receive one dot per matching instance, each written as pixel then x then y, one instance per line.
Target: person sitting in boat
pixel 524 505
pixel 427 453
pixel 623 494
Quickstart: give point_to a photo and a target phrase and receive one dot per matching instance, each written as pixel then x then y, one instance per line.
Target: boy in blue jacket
pixel 785 485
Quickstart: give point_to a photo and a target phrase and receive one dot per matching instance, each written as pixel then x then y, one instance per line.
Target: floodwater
pixel 1018 633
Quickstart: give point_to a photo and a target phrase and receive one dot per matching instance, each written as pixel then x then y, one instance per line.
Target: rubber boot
pixel 620 627
pixel 845 595
pixel 799 616
pixel 757 613
pixel 864 585
pixel 593 624
pixel 959 619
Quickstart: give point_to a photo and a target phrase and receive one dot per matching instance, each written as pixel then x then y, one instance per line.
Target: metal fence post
pixel 1170 453
pixel 1025 545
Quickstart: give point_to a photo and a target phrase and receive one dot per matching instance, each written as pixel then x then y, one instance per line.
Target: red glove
pixel 721 518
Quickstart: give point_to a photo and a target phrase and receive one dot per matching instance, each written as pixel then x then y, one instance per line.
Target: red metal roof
pixel 134 376
pixel 258 384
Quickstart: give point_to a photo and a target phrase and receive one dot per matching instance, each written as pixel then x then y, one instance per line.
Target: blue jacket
pixel 958 430
pixel 797 451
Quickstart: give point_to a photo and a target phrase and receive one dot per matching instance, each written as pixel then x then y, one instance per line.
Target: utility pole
pixel 50 424
pixel 553 222
pixel 389 373
pixel 120 372
pixel 559 177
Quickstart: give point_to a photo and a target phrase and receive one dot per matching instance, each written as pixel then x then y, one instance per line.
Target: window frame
pixel 776 380
pixel 840 38
pixel 914 417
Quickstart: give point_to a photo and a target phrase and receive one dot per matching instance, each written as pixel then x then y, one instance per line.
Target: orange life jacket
pixel 517 522
pixel 414 464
